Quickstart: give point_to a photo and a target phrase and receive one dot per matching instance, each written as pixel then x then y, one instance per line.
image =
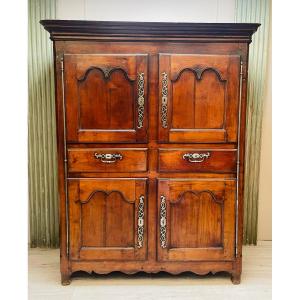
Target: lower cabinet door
pixel 107 219
pixel 196 219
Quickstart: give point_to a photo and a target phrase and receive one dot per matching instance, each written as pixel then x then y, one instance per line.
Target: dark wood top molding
pixel 78 30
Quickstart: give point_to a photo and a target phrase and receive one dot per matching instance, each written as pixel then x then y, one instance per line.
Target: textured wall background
pixel 264 224
pixel 254 11
pixel 43 198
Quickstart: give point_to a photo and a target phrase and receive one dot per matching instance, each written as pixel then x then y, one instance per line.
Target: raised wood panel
pixel 200 219
pixel 93 220
pixel 202 98
pixel 183 111
pixel 104 219
pixel 209 94
pixel 200 226
pixel 103 100
pixel 104 94
pixel 98 221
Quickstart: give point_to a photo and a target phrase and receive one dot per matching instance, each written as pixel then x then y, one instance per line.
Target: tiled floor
pixel 44 281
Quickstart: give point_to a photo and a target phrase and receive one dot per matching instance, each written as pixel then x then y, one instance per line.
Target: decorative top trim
pixel 76 30
pixel 107 194
pixel 105 71
pixel 199 72
pixel 198 194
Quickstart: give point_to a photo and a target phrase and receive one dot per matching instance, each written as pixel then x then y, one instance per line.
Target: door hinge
pixel 241 68
pixel 60 61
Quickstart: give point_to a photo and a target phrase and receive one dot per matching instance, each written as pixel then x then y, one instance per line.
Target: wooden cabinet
pixel 151 138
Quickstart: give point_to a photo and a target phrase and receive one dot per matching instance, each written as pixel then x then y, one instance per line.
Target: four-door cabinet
pixel 151 139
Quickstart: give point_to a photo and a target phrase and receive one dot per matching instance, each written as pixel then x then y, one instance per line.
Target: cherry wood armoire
pixel 151 139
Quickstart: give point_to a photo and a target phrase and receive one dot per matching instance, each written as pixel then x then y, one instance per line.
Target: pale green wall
pixel 254 11
pixel 43 197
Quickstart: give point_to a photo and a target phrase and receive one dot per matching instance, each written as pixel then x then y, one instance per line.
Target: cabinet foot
pixel 236 278
pixel 65 279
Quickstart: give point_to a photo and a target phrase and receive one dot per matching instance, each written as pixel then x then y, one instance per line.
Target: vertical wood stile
pixel 254 11
pixel 43 194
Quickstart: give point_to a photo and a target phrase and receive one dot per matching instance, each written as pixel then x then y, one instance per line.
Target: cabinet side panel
pixel 59 106
pixel 241 169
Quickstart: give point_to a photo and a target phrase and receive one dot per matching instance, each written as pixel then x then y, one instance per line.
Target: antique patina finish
pixel 151 139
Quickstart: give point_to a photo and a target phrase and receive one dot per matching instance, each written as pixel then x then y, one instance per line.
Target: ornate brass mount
pixel 140 228
pixel 141 100
pixel 163 222
pixel 164 100
pixel 196 157
pixel 108 158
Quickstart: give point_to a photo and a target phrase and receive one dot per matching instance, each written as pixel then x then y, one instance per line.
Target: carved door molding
pixel 106 97
pixel 108 219
pixel 198 98
pixel 196 219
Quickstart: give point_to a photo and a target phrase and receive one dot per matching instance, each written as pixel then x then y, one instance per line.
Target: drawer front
pixel 107 160
pixel 193 160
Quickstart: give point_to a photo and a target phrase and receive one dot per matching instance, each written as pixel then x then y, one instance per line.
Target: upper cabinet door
pixel 106 97
pixel 198 98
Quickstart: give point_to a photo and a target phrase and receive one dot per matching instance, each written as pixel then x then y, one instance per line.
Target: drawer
pixel 107 160
pixel 195 160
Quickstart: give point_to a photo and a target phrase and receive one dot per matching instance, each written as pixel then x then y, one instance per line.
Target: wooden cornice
pixel 149 31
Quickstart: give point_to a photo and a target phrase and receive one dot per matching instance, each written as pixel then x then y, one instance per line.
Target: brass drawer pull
pixel 108 158
pixel 196 157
